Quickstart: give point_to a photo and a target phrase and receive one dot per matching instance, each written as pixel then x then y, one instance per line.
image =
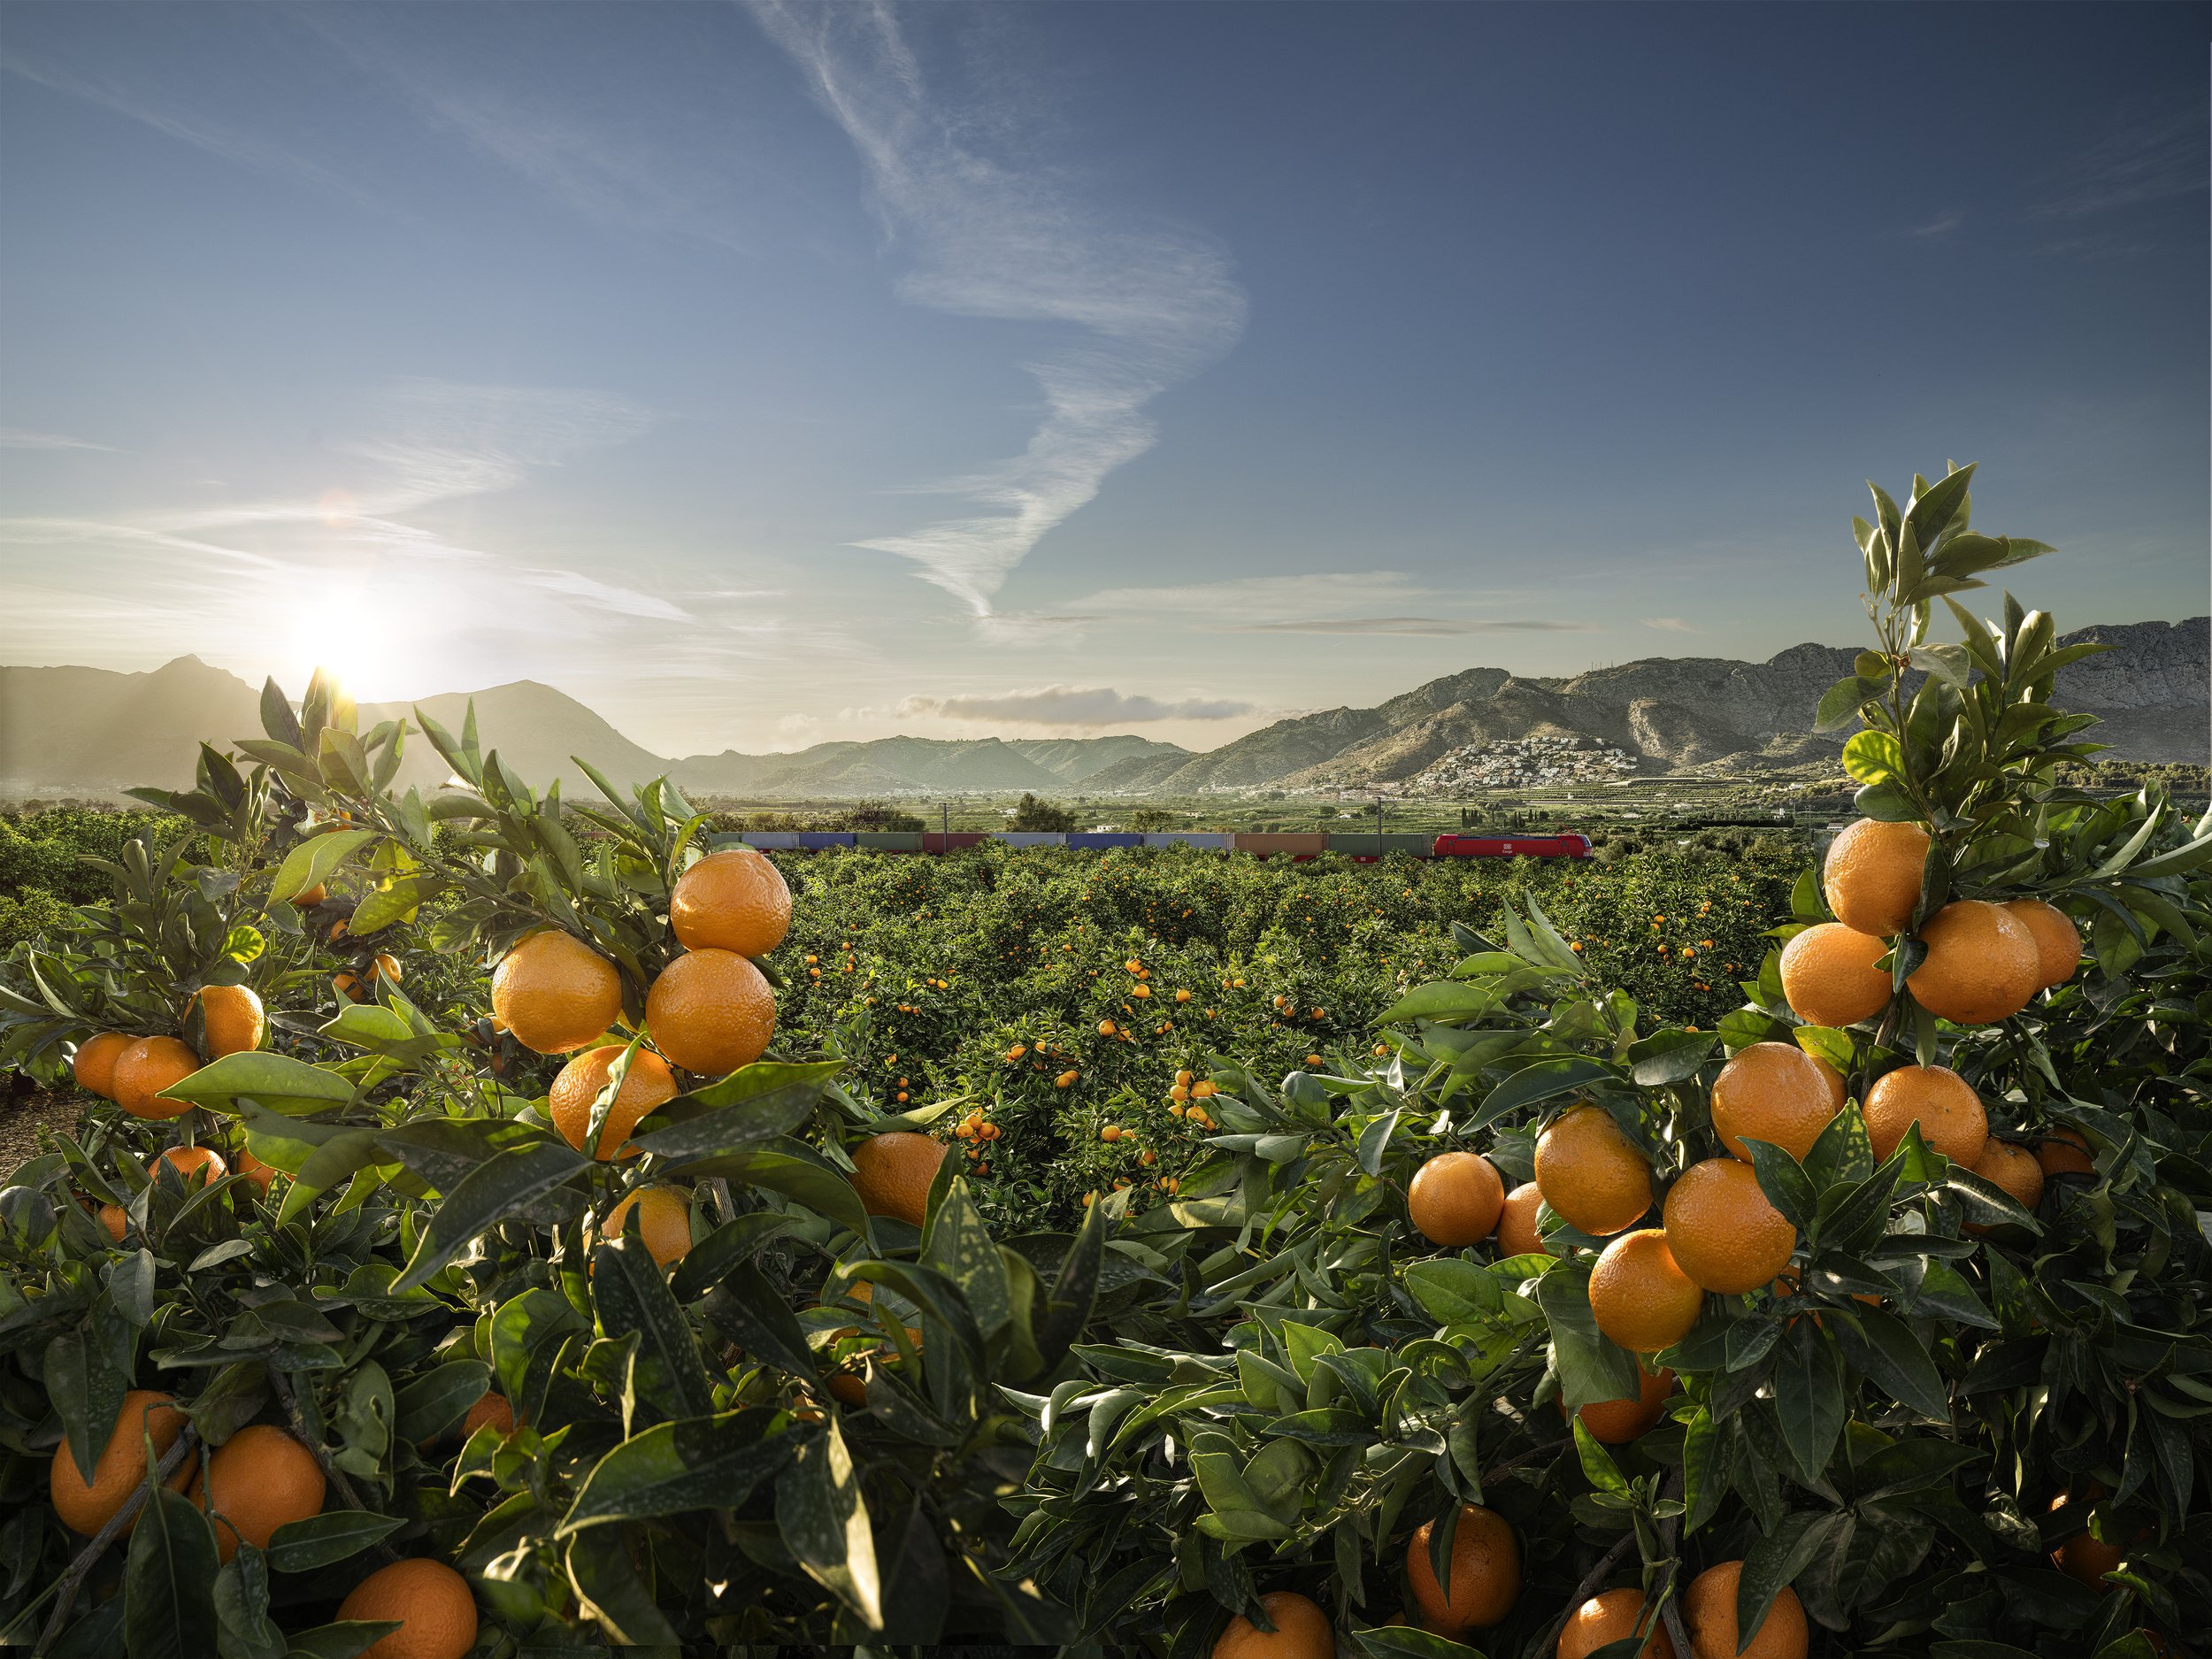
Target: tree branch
pixel 65 1590
pixel 314 1444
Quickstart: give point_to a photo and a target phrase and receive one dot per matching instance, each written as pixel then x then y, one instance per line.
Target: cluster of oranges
pixel 1984 960
pixel 135 1070
pixel 1484 1581
pixel 709 1010
pixel 261 1478
pixel 978 1130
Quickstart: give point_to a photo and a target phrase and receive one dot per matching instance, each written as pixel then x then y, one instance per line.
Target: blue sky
pixel 769 373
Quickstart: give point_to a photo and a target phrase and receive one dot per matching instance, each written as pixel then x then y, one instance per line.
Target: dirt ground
pixel 20 1115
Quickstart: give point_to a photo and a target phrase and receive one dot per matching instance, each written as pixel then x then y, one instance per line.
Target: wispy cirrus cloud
pixel 17 438
pixel 1317 602
pixel 996 233
pixel 1669 625
pixel 195 127
pixel 2153 159
pixel 1071 705
pixel 1942 225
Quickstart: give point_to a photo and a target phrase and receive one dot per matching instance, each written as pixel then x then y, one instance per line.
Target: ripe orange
pixel 1950 1115
pixel 196 1166
pixel 1486 1572
pixel 93 1067
pixel 1455 1198
pixel 1617 1422
pixel 146 1068
pixel 385 967
pixel 115 1220
pixel 711 1011
pixel 1872 875
pixel 493 1409
pixel 1772 1091
pixel 436 1608
pixel 1829 977
pixel 2057 941
pixel 2013 1169
pixel 645 1085
pixel 1590 1172
pixel 257 1480
pixel 255 1170
pixel 892 1173
pixel 1722 1232
pixel 231 1015
pixel 1982 964
pixel 1517 1222
pixel 1639 1295
pixel 555 993
pixel 1302 1631
pixel 663 1221
pixel 2065 1152
pixel 1837 1090
pixel 1708 1608
pixel 731 901
pixel 2083 1558
pixel 121 1468
pixel 312 897
pixel 1612 1617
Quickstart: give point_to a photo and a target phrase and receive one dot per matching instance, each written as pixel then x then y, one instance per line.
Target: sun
pixel 343 629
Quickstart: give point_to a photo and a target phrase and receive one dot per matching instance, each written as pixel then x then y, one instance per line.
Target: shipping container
pixel 1295 845
pixel 939 842
pixel 1098 841
pixel 1368 844
pixel 1207 839
pixel 820 840
pixel 1030 838
pixel 772 840
pixel 1567 846
pixel 891 841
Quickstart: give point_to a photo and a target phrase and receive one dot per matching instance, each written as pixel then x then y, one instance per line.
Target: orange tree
pixel 734 1380
pixel 1882 1310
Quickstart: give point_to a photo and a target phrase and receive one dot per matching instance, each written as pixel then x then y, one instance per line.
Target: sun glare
pixel 343 630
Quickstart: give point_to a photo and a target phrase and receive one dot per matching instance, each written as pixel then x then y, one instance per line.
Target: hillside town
pixel 1523 761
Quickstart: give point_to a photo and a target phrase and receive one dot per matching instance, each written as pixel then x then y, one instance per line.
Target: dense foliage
pixel 1166 1325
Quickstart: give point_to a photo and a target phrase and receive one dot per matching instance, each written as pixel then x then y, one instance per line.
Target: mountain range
pixel 69 731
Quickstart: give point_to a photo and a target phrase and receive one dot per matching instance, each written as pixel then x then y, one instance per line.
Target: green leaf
pixel 506 1184
pixel 958 1245
pixel 1784 1181
pixel 1598 1466
pixel 612 1593
pixel 1453 1291
pixel 169 1582
pixel 1444 1000
pixel 1882 1347
pixel 797 1171
pixel 87 1388
pixel 1591 1365
pixel 823 1521
pixel 275 1081
pixel 747 1309
pixel 630 1296
pixel 1669 1057
pixel 432 1405
pixel 242 1606
pixel 674 1468
pixel 1546 1080
pixel 761 1102
pixel 1074 1289
pixel 1808 1398
pixel 1873 757
pixel 1777 1554
pixel 1406 1641
pixel 312 861
pixel 320 1539
pixel 1840 703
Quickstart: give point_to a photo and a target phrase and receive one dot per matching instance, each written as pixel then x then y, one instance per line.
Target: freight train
pixel 1366 846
